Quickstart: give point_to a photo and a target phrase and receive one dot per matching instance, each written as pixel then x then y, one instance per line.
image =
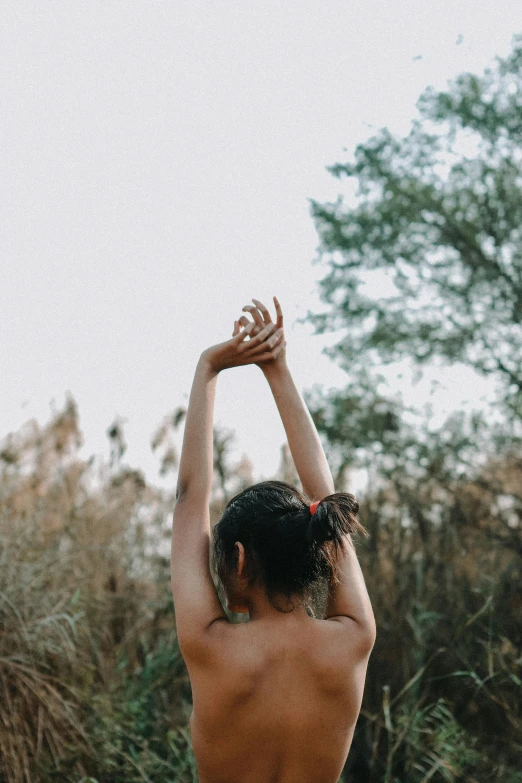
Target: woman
pixel 275 699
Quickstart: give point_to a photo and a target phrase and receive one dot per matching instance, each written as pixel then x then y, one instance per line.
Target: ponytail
pixel 331 521
pixel 335 517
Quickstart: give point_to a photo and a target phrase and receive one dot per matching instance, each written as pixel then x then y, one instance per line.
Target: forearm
pixel 197 457
pixel 303 440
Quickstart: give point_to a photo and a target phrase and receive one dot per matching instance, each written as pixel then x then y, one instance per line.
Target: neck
pixel 259 608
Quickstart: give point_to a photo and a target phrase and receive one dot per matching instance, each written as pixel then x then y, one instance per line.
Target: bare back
pixel 279 704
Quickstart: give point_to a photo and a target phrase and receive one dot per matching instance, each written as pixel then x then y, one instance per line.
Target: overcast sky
pixel 157 159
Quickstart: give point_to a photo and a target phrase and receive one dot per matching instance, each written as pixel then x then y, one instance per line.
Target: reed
pixel 92 683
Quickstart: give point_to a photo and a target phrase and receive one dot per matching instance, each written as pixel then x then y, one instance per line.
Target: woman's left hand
pixel 264 345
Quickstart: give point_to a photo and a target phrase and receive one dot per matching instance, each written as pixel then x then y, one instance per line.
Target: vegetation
pixel 438 215
pixel 424 271
pixel 92 684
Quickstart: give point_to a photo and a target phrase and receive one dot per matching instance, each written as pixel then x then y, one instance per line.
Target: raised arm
pixel 348 600
pixel 303 440
pixel 305 446
pixel 196 603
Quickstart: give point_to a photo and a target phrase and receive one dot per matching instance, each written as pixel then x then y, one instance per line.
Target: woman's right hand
pixel 260 319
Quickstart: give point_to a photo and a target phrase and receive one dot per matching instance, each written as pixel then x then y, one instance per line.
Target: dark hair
pixel 287 549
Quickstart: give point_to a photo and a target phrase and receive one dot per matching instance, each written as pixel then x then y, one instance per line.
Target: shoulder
pixel 222 643
pixel 346 640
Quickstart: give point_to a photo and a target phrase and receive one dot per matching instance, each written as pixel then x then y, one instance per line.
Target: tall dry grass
pixel 92 684
pixel 85 617
pixel 443 700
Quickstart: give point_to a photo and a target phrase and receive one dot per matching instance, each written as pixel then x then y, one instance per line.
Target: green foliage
pixel 424 266
pixel 135 733
pixel 437 218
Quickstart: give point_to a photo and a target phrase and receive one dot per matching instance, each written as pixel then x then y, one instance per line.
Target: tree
pixel 436 222
pixel 437 215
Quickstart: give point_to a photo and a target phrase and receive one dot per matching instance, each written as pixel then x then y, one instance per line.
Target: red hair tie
pixel 313 507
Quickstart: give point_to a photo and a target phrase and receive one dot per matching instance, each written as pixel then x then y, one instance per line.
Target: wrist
pixel 206 364
pixel 275 371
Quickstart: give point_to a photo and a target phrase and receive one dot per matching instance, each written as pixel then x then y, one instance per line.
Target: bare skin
pixel 275 699
pixel 281 706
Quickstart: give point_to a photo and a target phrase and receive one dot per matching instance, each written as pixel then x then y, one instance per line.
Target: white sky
pixel 156 161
